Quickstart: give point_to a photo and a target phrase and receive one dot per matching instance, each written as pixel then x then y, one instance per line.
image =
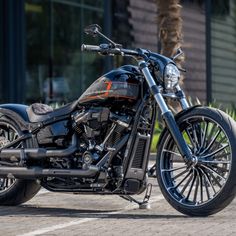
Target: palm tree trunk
pixel 170 27
pixel 170 34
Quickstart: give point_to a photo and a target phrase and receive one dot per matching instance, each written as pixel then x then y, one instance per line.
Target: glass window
pixel 57 71
pixel 223 42
pixel 1 52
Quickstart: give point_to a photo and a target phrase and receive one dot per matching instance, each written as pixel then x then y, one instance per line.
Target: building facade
pixel 40 57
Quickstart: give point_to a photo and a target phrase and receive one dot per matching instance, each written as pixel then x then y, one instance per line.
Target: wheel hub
pixel 194 161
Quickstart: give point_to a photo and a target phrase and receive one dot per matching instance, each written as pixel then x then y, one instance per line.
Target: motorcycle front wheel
pixel 209 184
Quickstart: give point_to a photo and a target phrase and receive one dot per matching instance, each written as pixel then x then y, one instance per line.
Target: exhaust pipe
pixel 21 154
pixel 37 172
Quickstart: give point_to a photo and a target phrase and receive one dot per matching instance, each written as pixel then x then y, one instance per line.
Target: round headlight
pixel 171 76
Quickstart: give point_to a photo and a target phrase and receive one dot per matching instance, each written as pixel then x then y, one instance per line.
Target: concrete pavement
pixel 67 214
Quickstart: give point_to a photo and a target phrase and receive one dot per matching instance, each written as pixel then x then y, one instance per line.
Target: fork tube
pixel 167 114
pixel 183 101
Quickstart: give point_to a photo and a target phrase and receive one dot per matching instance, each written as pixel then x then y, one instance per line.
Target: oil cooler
pixel 139 157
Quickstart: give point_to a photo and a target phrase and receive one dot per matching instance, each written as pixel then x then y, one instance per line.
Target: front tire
pixel 14 191
pixel 209 184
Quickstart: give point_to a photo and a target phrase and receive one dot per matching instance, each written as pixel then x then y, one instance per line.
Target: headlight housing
pixel 171 76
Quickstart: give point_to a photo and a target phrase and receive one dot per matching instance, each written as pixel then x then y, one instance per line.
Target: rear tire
pixel 14 191
pixel 209 185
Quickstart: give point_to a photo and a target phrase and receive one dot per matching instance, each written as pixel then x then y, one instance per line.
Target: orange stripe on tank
pixel 109 84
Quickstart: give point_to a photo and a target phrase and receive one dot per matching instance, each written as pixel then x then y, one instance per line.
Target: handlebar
pixel 105 49
pixel 93 48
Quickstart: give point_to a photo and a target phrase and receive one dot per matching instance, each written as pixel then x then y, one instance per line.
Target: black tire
pixel 209 184
pixel 14 191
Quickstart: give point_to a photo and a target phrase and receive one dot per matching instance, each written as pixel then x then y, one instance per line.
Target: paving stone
pixel 86 215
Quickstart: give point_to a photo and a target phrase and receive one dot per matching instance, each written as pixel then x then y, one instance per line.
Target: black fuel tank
pixel 121 85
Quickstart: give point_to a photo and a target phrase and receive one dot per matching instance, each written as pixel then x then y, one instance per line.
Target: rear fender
pixel 17 114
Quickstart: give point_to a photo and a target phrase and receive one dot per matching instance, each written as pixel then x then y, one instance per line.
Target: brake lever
pixel 108 49
pixel 178 54
pixel 181 69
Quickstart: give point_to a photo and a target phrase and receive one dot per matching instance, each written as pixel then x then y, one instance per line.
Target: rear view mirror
pixel 95 30
pixel 92 29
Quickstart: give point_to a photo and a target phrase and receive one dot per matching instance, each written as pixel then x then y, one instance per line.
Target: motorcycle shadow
pixel 36 211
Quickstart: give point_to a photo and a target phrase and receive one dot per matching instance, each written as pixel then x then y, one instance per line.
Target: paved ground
pixel 79 215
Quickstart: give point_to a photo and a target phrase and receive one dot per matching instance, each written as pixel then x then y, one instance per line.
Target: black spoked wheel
pixel 8 133
pixel 208 184
pixel 14 191
pixel 5 184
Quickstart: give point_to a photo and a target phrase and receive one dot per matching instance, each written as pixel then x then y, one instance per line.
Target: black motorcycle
pixel 100 143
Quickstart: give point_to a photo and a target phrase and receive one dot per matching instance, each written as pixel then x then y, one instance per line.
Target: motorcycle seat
pixel 38 112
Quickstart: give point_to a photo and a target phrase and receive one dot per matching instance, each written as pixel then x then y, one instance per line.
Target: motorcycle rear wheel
pixel 209 184
pixel 14 191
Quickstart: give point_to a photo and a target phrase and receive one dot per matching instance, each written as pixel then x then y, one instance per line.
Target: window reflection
pixel 57 71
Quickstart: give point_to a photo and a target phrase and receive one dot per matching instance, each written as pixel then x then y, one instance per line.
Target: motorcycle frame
pixel 143 58
pixel 22 156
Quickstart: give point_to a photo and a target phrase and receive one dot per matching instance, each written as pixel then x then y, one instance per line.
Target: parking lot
pixel 68 214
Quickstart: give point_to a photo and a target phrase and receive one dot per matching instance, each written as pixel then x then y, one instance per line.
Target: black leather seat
pixel 39 112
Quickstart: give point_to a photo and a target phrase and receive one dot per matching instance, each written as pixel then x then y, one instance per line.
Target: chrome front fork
pixel 182 99
pixel 167 114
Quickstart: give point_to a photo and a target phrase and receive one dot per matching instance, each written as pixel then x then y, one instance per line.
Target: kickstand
pixel 152 171
pixel 144 204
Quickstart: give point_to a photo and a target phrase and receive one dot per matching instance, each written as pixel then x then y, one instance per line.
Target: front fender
pixel 177 116
pixel 17 113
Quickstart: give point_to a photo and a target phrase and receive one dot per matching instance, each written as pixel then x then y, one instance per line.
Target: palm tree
pixel 169 23
pixel 170 27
